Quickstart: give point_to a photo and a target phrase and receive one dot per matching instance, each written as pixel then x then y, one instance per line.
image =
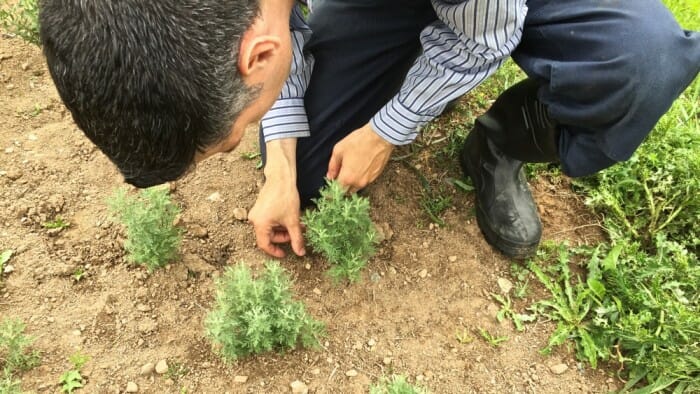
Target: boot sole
pixel 511 249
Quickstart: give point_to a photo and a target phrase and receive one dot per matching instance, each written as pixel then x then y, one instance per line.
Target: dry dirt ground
pixel 425 285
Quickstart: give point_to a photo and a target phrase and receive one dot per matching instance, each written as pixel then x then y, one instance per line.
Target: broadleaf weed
pixel 340 228
pixel 397 384
pixel 152 238
pixel 259 315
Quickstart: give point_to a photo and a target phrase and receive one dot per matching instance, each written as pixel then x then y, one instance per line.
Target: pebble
pixel 147 369
pixel 199 231
pixel 423 273
pixel 307 266
pixel 131 387
pixel 143 308
pixel 214 197
pixel 384 232
pixel 240 214
pixel 13 175
pixel 505 285
pixel 197 264
pixel 25 66
pixel 162 367
pixel 558 369
pixel 316 371
pixel 299 387
pixel 240 379
pixel 351 373
pixel 387 361
pixel 452 259
pixel 8 269
pixel 317 291
pixel 371 342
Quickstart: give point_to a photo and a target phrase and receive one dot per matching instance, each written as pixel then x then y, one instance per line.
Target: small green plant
pixel 507 312
pixel 435 202
pixel 176 371
pixel 494 341
pixel 341 229
pixel 464 337
pixel 152 238
pixel 8 384
pixel 397 384
pixel 258 315
pixel 22 19
pixel 14 347
pixel 57 223
pixel 79 274
pixel 72 379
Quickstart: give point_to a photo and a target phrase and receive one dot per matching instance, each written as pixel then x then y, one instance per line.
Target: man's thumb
pixel 297 240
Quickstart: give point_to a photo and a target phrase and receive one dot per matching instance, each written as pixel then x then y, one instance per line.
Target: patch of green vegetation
pixel 340 228
pixel 492 340
pixel 176 371
pixel 15 356
pixel 57 223
pixel 464 337
pixel 22 19
pixel 507 312
pixel 152 238
pixel 397 384
pixel 259 315
pixel 435 202
pixel 72 379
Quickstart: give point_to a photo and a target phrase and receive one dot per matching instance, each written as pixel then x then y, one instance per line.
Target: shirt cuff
pixel 397 124
pixel 286 119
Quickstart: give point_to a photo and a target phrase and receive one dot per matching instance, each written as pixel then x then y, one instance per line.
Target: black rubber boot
pixel 516 129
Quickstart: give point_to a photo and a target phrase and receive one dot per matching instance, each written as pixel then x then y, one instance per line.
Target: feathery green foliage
pixel 21 19
pixel 397 384
pixel 152 239
pixel 15 355
pixel 341 229
pixel 259 315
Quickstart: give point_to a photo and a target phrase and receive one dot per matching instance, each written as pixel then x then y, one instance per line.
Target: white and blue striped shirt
pixel 470 40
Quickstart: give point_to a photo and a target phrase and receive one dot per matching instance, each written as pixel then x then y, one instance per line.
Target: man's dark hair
pixel 150 82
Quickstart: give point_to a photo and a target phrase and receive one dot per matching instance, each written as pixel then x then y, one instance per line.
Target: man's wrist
pixel 281 160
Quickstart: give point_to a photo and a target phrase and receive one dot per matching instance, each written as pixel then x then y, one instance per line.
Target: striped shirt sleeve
pixel 287 117
pixel 467 44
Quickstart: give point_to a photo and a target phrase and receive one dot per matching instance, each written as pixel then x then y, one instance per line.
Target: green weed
pixel 57 223
pixel 258 315
pixel 507 312
pixel 494 341
pixel 14 347
pixel 464 337
pixel 152 239
pixel 8 384
pixel 176 371
pixel 397 384
pixel 21 19
pixel 72 379
pixel 341 229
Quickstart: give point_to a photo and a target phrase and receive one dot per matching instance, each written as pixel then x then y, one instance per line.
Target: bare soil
pixel 426 284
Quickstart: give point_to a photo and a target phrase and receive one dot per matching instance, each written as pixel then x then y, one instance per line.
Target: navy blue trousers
pixel 609 70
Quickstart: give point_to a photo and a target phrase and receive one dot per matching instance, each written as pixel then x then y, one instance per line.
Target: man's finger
pixel 297 239
pixel 334 166
pixel 265 242
pixel 280 236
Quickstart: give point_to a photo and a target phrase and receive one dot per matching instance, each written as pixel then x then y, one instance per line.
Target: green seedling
pixel 258 315
pixel 250 155
pixel 152 238
pixel 507 312
pixel 15 355
pixel 492 340
pixel 57 223
pixel 79 274
pixel 397 384
pixel 176 371
pixel 341 229
pixel 22 19
pixel 72 379
pixel 464 337
pixel 435 203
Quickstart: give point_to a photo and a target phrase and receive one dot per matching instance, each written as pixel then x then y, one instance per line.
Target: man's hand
pixel 359 158
pixel 275 215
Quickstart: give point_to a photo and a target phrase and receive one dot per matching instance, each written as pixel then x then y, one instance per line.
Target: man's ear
pixel 256 52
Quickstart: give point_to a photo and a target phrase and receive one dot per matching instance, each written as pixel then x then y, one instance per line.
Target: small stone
pixel 452 259
pixel 147 369
pixel 13 175
pixel 8 269
pixel 316 371
pixel 505 285
pixel 131 387
pixel 351 373
pixel 317 291
pixel 240 214
pixel 214 197
pixel 197 264
pixel 371 342
pixel 423 273
pixel 384 232
pixel 240 379
pixel 558 369
pixel 162 367
pixel 143 308
pixel 387 360
pixel 307 266
pixel 299 387
pixel 199 231
pixel 25 66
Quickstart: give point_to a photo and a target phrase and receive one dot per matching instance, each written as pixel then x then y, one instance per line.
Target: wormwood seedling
pixel 22 19
pixel 397 384
pixel 152 239
pixel 14 353
pixel 258 315
pixel 342 230
pixel 57 223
